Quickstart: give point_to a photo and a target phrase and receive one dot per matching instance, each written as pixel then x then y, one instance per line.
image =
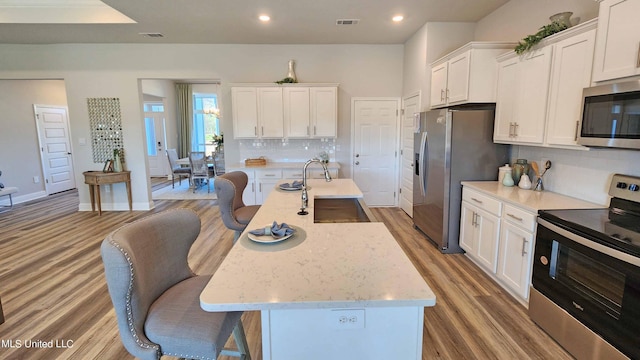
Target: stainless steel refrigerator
pixel 451 145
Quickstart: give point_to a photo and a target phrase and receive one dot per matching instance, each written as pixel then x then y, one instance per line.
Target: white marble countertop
pixel 325 265
pixel 280 165
pixel 529 199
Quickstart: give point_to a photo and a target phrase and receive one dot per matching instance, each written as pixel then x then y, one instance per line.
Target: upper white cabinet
pixel 257 112
pixel 539 94
pixel 571 72
pixel 617 52
pixel 278 111
pixel 466 75
pixel 311 112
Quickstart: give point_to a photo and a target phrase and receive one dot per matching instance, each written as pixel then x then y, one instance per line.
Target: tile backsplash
pixel 287 150
pixel 582 174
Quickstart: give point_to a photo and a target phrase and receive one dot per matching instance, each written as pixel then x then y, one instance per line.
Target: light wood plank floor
pixel 52 287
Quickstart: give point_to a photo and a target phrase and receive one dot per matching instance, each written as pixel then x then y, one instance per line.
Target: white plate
pixel 290 188
pixel 267 239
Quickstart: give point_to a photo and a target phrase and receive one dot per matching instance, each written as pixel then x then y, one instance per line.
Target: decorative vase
pixel 117 162
pixel 507 180
pixel 525 182
pixel 520 168
pixel 292 71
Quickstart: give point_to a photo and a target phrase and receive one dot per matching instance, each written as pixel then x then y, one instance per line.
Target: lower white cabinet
pixel 514 268
pixel 498 237
pixel 262 181
pixel 479 234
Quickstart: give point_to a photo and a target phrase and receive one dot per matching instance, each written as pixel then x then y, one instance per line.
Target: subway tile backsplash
pixel 582 174
pixel 287 150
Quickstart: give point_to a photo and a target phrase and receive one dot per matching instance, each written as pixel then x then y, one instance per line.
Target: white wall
pixel 427 45
pixel 114 70
pixel 20 160
pixel 519 18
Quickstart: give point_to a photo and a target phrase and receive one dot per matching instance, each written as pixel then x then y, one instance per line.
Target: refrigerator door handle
pixel 424 162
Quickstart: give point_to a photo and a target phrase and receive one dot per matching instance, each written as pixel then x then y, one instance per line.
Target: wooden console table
pixel 96 178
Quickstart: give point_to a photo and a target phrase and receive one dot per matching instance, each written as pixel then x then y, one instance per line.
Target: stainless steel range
pixel 586 276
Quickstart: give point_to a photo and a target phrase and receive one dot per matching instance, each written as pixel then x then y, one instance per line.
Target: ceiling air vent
pixel 347 21
pixel 152 35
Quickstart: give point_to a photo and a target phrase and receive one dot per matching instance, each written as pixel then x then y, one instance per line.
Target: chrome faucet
pixel 305 195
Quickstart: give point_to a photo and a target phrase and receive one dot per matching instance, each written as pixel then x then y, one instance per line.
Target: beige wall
pixel 20 160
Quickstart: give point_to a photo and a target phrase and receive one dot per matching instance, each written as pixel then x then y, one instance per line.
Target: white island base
pixel 318 334
pixel 333 291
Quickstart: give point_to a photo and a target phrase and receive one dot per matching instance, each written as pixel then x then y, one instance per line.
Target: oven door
pixel 596 284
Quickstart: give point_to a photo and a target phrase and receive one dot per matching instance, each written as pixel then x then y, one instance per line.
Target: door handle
pixel 524 244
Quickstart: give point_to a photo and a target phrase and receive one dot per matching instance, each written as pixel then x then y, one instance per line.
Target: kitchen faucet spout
pixel 305 195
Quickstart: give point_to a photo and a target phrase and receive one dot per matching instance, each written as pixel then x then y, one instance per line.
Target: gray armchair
pixel 156 295
pixel 235 214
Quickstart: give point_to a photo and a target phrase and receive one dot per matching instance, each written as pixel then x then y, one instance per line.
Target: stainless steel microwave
pixel 611 116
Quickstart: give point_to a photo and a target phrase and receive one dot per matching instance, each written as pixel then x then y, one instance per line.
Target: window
pixel 206 122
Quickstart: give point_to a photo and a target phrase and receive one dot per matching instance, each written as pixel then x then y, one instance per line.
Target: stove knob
pixel 621 185
pixel 634 187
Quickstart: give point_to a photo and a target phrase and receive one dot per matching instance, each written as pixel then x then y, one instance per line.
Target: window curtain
pixel 185 118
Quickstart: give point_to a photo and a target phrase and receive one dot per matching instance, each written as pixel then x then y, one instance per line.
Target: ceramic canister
pixel 502 170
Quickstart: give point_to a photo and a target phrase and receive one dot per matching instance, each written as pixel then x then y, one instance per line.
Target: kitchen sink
pixel 341 210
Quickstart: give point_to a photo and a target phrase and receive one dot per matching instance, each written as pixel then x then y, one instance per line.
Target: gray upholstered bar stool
pixel 235 214
pixel 156 296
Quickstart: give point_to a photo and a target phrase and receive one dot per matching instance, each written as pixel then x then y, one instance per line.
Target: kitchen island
pixel 332 291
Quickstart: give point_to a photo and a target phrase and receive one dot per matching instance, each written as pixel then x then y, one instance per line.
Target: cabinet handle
pixel 473 219
pixel 261 191
pixel 307 130
pixel 575 138
pixel 255 130
pixel 514 217
pixel 446 96
pixel 510 129
pixel 269 174
pixel 441 94
pixel 476 200
pixel 524 245
pixel 515 129
pixel 262 128
pixel 315 132
pixel 638 62
pixel 253 187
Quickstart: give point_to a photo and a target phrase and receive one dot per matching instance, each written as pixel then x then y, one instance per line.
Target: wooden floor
pixel 52 287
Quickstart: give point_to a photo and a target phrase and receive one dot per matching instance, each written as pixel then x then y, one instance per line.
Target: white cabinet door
pixel 439 84
pixel 488 236
pixel 324 111
pixel 618 40
pixel 468 233
pixel 479 235
pixel 270 113
pixel 244 103
pixel 534 71
pixel 515 258
pixel 506 99
pixel 458 79
pixel 297 109
pixel 265 186
pixel 572 60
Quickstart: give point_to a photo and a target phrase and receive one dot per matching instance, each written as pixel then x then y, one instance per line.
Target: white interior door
pixel 375 151
pixel 410 108
pixel 154 122
pixel 55 148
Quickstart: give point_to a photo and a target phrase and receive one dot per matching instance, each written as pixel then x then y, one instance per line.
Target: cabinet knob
pixel 357 162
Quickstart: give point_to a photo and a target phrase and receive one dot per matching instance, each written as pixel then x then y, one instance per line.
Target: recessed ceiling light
pixel 264 18
pixel 397 18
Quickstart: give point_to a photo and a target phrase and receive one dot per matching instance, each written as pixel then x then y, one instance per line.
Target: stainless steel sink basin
pixel 341 210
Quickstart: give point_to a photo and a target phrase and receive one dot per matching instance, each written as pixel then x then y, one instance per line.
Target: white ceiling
pixel 236 21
